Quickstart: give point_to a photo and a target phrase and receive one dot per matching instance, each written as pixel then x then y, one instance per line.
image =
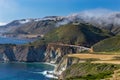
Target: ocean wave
pixel 49 74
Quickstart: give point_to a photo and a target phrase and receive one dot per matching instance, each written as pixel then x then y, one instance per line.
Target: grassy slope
pixel 108 45
pixel 88 71
pixel 82 34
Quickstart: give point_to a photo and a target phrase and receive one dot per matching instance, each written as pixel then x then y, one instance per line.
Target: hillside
pixel 80 34
pixel 108 45
pixel 88 71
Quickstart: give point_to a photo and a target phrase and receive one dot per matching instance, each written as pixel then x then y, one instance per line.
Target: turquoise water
pixel 24 71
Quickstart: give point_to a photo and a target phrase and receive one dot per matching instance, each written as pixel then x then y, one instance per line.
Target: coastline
pixel 47 73
pixel 50 74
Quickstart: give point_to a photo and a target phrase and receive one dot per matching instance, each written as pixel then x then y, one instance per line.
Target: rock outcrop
pixel 65 63
pixel 51 53
pixel 22 53
pixel 55 52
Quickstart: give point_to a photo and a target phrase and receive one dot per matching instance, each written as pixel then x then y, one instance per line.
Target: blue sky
pixel 18 9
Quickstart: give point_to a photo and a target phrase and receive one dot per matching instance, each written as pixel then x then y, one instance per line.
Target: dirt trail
pixel 96 56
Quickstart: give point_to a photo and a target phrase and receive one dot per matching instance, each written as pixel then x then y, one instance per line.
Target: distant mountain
pixel 102 19
pixel 109 20
pixel 31 26
pixel 25 21
pixel 38 26
pixel 14 24
pixel 76 34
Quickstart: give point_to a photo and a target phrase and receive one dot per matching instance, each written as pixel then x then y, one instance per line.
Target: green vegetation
pixel 89 71
pixel 89 60
pixel 82 34
pixel 108 45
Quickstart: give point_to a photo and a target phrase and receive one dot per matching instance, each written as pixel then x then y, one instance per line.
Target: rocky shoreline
pixel 54 54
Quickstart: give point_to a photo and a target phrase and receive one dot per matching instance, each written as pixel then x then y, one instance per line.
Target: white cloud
pixel 2 23
pixel 93 13
pixel 96 16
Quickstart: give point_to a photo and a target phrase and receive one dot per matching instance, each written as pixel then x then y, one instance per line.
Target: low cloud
pixel 100 16
pixel 2 23
pixel 97 16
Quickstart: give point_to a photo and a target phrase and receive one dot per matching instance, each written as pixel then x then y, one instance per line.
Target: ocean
pixel 25 71
pixel 22 70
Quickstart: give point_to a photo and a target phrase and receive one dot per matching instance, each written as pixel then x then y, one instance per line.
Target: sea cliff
pixel 51 53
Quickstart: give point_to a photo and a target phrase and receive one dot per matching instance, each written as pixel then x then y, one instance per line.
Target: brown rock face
pixel 54 53
pixel 22 53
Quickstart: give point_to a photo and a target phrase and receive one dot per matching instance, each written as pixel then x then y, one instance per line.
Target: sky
pixel 20 9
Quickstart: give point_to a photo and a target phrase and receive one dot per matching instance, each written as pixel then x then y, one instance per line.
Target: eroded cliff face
pixel 65 63
pixel 6 53
pixel 51 53
pixel 55 53
pixel 22 53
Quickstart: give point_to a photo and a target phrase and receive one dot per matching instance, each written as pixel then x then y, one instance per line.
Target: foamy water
pixel 49 74
pixel 25 71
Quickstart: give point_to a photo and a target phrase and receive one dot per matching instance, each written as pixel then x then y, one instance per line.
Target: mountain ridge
pixel 107 20
pixel 80 34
